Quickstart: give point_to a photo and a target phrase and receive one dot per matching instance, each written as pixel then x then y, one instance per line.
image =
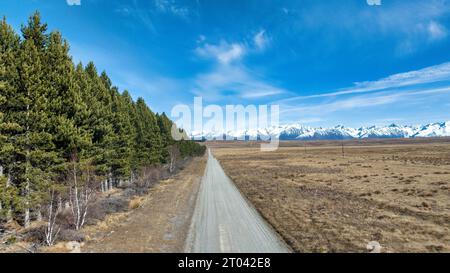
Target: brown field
pixel 395 192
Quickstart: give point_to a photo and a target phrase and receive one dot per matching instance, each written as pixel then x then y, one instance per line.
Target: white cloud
pixel 436 31
pixel 73 2
pixel 411 25
pixel 123 11
pixel 410 89
pixel 364 101
pixel 171 7
pixel 227 53
pixel 432 74
pixel 229 78
pixel 224 52
pixel 232 81
pixel 261 40
pixel 148 11
pixel 426 75
pixel 285 10
pixel 201 39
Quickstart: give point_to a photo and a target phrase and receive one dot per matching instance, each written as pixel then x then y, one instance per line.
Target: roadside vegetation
pixel 67 134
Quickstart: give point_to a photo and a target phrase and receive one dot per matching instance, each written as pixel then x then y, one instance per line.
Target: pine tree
pixel 36 150
pixel 148 137
pixel 97 96
pixel 3 201
pixel 70 132
pixel 122 142
pixel 9 128
pixel 133 117
pixel 165 127
pixel 35 32
pixel 63 125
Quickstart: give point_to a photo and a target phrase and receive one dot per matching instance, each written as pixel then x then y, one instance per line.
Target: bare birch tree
pixel 80 194
pixel 6 196
pixel 52 229
pixel 2 188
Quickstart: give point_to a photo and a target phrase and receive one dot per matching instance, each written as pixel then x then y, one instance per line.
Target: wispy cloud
pixel 261 40
pixel 285 10
pixel 227 79
pixel 172 7
pixel 231 81
pixel 436 31
pixel 432 74
pixel 427 87
pixel 224 52
pixel 147 12
pixel 411 25
pixel 364 101
pixel 229 76
pixel 73 2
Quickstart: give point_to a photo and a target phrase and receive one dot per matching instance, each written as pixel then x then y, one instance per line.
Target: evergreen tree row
pixel 58 119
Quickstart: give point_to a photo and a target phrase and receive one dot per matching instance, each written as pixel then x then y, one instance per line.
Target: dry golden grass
pixel 136 202
pixel 159 222
pixel 319 200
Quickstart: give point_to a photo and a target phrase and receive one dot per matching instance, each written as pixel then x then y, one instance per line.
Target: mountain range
pixel 302 132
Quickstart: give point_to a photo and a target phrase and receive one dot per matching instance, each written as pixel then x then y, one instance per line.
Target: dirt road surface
pixel 224 221
pixel 161 223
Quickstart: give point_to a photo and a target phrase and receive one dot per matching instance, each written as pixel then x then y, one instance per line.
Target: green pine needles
pixel 65 130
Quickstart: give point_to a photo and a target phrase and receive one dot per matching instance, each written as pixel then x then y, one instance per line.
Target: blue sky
pixel 324 62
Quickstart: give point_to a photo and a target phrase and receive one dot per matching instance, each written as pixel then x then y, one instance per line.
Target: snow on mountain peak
pixel 301 132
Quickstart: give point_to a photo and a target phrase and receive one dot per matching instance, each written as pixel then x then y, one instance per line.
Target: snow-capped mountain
pixel 301 132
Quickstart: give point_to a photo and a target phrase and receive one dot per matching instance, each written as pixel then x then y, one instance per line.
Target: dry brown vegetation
pixel 117 208
pixel 159 221
pixel 396 192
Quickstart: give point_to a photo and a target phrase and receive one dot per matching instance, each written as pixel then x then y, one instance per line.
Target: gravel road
pixel 224 221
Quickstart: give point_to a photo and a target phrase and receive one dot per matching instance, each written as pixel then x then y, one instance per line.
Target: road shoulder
pixel 162 221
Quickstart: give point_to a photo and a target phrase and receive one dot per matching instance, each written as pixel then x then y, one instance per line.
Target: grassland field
pixel 337 196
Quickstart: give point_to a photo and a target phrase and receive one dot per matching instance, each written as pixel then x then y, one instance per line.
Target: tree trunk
pixel 60 204
pixel 1 174
pixel 110 179
pixel 6 206
pixel 50 233
pixel 9 217
pixel 26 220
pixel 39 214
pixel 77 202
pixel 27 164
